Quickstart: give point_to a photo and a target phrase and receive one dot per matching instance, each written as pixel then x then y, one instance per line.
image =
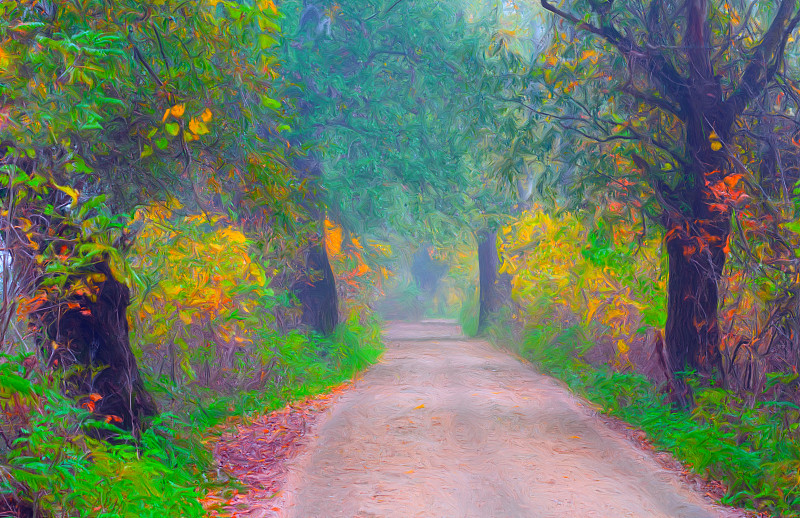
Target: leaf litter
pixel 255 455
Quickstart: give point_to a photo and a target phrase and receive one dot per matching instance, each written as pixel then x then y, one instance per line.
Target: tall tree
pixel 675 107
pixel 109 104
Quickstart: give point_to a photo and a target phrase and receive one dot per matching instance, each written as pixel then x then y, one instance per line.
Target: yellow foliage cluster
pixel 199 286
pixel 557 263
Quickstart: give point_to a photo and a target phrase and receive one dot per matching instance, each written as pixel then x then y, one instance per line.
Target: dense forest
pixel 208 208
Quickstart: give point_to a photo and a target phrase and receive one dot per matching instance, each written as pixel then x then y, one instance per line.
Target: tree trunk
pixel 491 292
pixel 696 251
pixel 316 286
pixel 316 289
pixel 90 330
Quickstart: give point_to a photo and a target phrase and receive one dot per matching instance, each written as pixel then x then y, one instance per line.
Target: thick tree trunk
pixel 490 282
pixel 90 330
pixel 316 286
pixel 697 251
pixel 316 289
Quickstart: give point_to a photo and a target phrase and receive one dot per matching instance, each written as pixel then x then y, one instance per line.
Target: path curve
pixel 444 426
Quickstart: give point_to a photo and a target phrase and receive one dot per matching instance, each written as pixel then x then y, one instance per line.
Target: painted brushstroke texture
pixel 448 426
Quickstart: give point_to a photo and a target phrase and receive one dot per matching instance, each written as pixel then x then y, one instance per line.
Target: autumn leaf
pixel 197 127
pixel 333 237
pixel 177 110
pixel 69 191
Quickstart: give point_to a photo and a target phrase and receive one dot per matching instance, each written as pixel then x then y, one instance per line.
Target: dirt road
pixel 449 427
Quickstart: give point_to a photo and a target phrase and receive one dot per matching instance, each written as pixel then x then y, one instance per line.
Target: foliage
pixel 204 312
pixel 358 283
pixel 113 92
pixel 602 276
pixel 56 462
pixel 391 93
pixel 615 101
pixel 202 294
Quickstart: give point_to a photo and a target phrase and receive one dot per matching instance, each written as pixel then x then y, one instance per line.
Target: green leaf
pixel 269 102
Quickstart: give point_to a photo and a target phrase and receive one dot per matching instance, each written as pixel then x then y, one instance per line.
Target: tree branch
pixel 766 59
pixel 385 12
pixel 653 100
pixel 580 24
pixel 674 85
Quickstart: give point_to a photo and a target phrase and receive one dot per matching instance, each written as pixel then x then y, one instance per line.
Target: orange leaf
pixel 177 110
pixel 732 180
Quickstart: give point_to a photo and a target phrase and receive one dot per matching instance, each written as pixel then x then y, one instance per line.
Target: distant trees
pixel 393 93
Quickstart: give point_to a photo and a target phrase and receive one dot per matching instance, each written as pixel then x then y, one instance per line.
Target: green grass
pixel 753 448
pixel 62 471
pixel 468 316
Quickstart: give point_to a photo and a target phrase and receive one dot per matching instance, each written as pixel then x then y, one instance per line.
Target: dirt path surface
pixel 450 427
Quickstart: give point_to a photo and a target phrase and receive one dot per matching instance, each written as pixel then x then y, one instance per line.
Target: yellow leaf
pixel 185 317
pixel 5 59
pixel 69 191
pixel 166 115
pixel 197 127
pixel 716 145
pixel 420 406
pixel 234 236
pixel 206 115
pixel 177 110
pixel 172 290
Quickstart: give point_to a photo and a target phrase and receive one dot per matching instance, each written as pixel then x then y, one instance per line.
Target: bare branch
pixel 580 24
pixel 655 63
pixel 766 59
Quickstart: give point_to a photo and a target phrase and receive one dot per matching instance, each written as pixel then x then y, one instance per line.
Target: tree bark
pixel 696 213
pixel 90 330
pixel 316 290
pixel 696 253
pixel 491 293
pixel 316 285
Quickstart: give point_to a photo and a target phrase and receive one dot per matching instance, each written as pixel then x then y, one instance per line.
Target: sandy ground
pixel 450 427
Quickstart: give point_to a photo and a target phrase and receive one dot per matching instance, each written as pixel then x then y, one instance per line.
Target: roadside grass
pixel 56 467
pixel 753 448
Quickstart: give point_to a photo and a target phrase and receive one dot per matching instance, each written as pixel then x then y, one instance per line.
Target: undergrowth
pixel 754 448
pixel 56 467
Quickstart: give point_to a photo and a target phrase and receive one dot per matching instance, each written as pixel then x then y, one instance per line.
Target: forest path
pixel 446 426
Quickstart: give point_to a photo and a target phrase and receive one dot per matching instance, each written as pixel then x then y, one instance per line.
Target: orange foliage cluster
pixel 357 282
